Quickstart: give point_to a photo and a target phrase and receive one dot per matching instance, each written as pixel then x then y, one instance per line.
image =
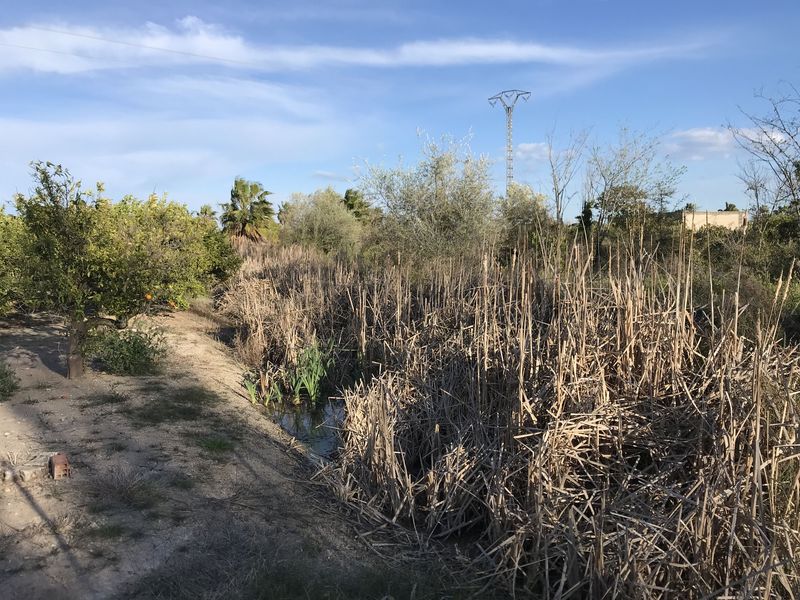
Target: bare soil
pixel 180 487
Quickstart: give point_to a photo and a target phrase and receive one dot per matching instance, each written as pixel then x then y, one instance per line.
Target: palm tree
pixel 207 212
pixel 249 214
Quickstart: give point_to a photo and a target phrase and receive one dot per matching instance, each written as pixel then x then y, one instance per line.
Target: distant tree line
pixel 444 208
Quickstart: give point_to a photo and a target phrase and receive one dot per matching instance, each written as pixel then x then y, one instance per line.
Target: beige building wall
pixel 729 219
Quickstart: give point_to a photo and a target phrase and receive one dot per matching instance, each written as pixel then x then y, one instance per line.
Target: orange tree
pixel 10 259
pixel 98 263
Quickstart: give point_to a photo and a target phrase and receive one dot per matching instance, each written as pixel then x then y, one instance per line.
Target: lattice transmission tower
pixel 508 99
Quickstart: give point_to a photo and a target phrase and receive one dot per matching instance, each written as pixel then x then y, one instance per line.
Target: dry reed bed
pixel 586 433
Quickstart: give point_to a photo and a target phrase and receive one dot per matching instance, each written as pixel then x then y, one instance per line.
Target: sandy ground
pixel 180 488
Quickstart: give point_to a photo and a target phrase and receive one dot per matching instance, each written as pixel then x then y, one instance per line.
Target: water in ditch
pixel 315 427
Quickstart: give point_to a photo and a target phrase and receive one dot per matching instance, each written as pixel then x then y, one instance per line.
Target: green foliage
pixel 62 275
pixel 629 206
pixel 628 180
pixel 207 212
pixel 11 235
pixel 309 373
pixel 252 390
pixel 586 218
pixel 222 259
pixel 321 220
pixel 128 352
pixel 523 217
pixel 87 256
pixel 441 208
pixel 90 260
pixel 173 255
pixel 249 214
pixel 355 202
pixel 775 239
pixel 9 383
pixel 751 262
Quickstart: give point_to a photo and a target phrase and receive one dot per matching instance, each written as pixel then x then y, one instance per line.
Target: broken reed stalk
pixel 592 433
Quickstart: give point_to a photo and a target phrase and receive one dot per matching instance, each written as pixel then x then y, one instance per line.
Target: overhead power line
pixel 50 50
pixel 121 43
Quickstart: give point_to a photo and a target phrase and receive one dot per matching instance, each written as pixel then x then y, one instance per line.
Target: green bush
pixel 223 260
pixel 11 231
pixel 523 218
pixel 8 381
pixel 439 209
pixel 128 352
pixel 321 221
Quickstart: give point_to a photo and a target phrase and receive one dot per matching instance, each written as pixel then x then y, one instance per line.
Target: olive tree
pixel 440 208
pixel 522 217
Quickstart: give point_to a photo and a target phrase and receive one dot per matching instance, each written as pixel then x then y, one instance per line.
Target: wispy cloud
pixel 65 48
pixel 331 176
pixel 531 152
pixel 318 12
pixel 144 153
pixel 236 94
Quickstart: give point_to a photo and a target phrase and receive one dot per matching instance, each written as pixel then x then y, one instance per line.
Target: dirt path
pixel 181 488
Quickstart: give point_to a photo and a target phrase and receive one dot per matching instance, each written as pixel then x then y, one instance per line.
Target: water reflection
pixel 316 427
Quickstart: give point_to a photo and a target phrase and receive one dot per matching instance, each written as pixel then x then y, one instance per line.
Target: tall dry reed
pixel 590 434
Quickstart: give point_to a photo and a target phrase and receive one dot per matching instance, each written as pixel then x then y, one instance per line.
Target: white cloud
pixel 700 143
pixel 529 152
pixel 65 48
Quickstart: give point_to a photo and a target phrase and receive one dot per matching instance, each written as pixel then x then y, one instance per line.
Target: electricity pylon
pixel 508 99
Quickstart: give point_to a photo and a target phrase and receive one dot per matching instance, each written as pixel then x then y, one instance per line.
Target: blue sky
pixel 181 97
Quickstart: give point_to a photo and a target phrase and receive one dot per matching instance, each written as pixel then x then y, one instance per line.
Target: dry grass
pixel 126 486
pixel 233 558
pixel 587 432
pixel 283 301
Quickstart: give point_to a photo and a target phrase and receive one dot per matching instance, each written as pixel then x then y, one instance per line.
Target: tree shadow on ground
pixel 23 335
pixel 237 519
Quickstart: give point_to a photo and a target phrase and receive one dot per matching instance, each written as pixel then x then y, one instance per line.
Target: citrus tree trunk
pixel 75 364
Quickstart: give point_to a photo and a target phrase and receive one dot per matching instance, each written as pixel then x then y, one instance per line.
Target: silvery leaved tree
pixel 440 208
